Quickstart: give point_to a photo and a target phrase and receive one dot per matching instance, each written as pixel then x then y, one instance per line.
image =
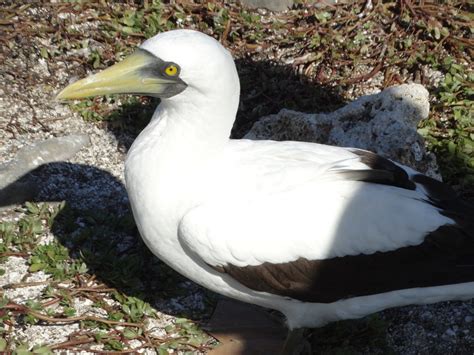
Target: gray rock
pixel 30 157
pixel 385 123
pixel 272 5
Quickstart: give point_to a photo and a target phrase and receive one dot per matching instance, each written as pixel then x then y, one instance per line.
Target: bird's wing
pixel 368 231
pixel 274 166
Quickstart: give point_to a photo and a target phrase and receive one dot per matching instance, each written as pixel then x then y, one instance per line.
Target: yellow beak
pixel 136 74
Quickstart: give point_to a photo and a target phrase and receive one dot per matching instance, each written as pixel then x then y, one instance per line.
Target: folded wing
pixel 350 232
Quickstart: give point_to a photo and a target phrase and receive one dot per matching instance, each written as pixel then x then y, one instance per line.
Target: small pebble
pixel 450 332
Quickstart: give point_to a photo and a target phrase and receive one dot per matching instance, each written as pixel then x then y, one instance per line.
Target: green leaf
pixel 23 351
pixel 128 21
pixel 3 344
pixel 70 312
pixel 128 30
pixel 115 344
pixel 96 62
pixel 452 147
pixel 181 320
pixel 31 319
pixel 42 350
pixel 98 336
pixel 126 309
pixel 36 267
pixel 44 53
pixel 32 208
pixel 173 344
pixel 116 316
pixel 322 17
pixel 129 333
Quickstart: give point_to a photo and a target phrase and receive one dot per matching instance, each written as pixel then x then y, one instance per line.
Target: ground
pixel 73 271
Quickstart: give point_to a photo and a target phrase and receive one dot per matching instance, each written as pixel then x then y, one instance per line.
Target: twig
pixel 69 343
pixel 26 284
pixel 92 289
pixel 113 352
pixel 51 302
pixel 365 77
pixel 226 32
pixel 26 310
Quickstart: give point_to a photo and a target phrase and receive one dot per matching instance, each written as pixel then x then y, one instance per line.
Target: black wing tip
pixel 398 176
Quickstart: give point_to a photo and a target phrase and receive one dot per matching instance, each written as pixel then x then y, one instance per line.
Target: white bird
pixel 317 232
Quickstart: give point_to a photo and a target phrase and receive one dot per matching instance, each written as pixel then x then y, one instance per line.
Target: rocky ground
pixel 73 272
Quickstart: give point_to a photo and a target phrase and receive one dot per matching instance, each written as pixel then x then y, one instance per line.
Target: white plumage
pixel 207 205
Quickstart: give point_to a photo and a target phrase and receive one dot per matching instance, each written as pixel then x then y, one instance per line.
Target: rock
pixel 30 157
pixel 450 332
pixel 385 123
pixel 272 5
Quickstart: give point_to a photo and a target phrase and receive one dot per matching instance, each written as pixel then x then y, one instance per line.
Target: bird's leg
pixel 294 342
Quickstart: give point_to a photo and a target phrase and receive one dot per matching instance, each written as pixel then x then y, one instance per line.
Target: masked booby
pixel 320 233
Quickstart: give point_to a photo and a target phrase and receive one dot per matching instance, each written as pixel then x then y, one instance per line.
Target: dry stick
pixel 112 352
pixel 51 302
pixel 365 77
pixel 92 289
pixel 91 278
pixel 197 347
pixel 14 254
pixel 26 310
pixel 69 343
pixel 467 41
pixel 147 338
pixel 26 284
pixel 226 32
pixel 58 299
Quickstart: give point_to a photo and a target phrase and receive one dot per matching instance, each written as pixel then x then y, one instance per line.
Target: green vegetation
pixel 69 279
pixel 450 132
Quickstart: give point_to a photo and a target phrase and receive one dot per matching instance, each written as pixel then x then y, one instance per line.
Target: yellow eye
pixel 171 70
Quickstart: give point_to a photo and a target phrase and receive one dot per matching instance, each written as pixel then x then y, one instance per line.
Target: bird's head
pixel 165 66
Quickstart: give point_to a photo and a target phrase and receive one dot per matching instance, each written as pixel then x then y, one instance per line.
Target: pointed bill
pixel 140 73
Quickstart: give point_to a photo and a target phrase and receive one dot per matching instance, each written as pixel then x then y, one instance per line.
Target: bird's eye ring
pixel 171 70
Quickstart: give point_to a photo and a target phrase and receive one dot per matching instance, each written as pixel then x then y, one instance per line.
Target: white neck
pixel 165 163
pixel 188 129
pixel 184 133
